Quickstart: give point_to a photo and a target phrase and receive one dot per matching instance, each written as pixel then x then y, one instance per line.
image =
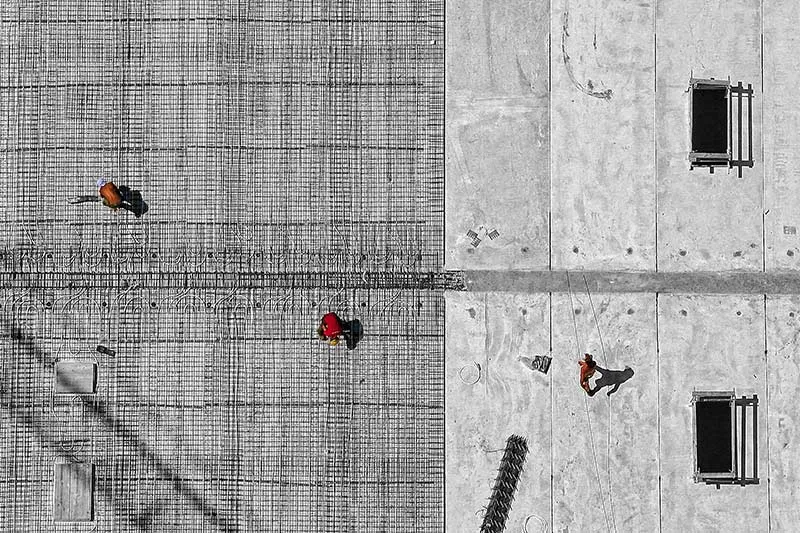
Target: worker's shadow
pixel 611 378
pixel 353 333
pixel 136 203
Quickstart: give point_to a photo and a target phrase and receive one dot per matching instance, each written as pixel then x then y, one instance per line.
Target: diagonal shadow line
pixel 117 427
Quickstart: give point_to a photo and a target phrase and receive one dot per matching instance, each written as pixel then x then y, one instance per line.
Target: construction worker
pixel 110 196
pixel 330 329
pixel 588 367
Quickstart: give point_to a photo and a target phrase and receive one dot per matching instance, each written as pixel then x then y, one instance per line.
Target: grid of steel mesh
pixel 290 153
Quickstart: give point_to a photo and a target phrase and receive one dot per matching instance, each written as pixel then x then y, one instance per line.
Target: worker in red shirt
pixel 331 328
pixel 588 367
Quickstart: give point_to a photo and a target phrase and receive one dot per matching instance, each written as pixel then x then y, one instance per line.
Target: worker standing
pixel 588 367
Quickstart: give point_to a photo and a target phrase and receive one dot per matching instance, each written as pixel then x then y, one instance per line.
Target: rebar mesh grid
pixel 291 157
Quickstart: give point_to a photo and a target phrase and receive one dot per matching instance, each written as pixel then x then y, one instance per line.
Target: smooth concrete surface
pixel 615 164
pixel 781 129
pixel 708 343
pixel 493 330
pixel 497 162
pixel 605 448
pixel 782 420
pixel 706 221
pixel 603 191
pixel 624 460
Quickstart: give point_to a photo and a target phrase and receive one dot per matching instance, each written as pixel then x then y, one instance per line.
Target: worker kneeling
pixel 332 327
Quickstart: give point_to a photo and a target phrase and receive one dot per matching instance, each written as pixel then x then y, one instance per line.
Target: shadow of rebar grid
pixel 290 153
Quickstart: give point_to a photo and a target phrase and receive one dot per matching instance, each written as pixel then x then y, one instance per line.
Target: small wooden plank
pixel 75 377
pixel 73 492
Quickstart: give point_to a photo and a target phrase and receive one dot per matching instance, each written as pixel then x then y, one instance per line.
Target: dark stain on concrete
pixel 682 252
pixel 577 311
pixel 631 311
pixel 629 251
pixel 683 312
pixel 737 253
pixel 790 253
pixel 471 311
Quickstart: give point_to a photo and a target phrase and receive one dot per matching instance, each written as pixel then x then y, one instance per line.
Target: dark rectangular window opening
pixel 725 438
pixel 710 119
pixel 714 430
pixel 721 124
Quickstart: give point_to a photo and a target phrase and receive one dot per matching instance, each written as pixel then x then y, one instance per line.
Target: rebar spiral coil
pixel 494 521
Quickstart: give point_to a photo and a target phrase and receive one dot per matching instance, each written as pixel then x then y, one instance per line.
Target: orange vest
pixel 111 194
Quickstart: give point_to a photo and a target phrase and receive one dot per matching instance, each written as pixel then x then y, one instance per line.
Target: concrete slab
pixel 783 379
pixel 73 492
pixel 75 377
pixel 707 343
pixel 781 135
pixel 705 221
pixel 484 407
pixel 497 153
pixel 605 448
pixel 603 198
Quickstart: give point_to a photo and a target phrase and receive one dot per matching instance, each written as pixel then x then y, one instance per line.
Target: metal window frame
pixel 738 474
pixel 724 159
pixel 714 396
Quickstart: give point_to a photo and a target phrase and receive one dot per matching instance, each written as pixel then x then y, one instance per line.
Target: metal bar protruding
pixel 750 124
pixel 755 438
pixel 739 132
pixel 730 124
pixel 744 442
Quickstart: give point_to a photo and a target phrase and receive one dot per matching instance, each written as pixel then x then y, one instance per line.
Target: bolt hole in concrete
pixel 629 251
pixel 738 313
pixel 574 249
pixel 791 315
pixel 470 374
pixel 577 311
pixel 525 249
pixel 153 305
pixel 683 312
pixel 790 253
pixel 682 253
pixel 154 255
pixel 631 311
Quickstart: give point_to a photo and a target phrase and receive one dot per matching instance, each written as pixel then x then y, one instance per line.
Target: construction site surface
pixel 493 189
